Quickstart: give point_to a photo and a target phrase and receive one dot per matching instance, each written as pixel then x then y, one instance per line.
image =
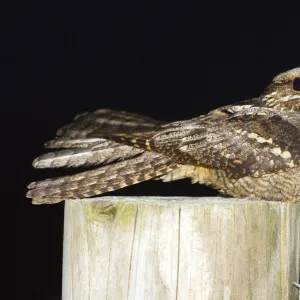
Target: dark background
pixel 171 63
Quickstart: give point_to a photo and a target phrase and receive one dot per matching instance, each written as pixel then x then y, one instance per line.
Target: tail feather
pixel 89 140
pixel 75 143
pixel 104 179
pixel 85 157
pixel 123 165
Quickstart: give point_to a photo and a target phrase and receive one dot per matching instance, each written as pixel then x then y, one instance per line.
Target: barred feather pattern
pixel 106 121
pixel 122 164
pixel 96 155
pixel 100 180
pixel 65 143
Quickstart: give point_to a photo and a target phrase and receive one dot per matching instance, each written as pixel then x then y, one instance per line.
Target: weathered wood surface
pixel 180 248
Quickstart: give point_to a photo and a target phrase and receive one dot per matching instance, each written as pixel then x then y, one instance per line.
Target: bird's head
pixel 284 91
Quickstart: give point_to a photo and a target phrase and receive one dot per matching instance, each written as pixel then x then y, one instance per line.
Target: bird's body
pixel 249 149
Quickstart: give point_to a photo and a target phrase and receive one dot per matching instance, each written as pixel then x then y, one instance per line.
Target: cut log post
pixel 180 248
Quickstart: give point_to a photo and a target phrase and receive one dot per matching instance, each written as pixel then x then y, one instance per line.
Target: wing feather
pixel 254 141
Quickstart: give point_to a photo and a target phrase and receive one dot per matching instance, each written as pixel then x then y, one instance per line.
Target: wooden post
pixel 180 248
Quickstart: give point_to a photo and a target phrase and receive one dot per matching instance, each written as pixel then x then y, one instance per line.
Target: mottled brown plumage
pixel 248 149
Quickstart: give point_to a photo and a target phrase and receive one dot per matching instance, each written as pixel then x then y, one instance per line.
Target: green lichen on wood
pixel 125 213
pixel 99 211
pixel 120 213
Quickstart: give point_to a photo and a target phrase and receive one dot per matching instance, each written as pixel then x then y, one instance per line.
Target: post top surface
pixel 158 200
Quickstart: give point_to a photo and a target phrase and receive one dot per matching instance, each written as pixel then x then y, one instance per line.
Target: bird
pixel 249 149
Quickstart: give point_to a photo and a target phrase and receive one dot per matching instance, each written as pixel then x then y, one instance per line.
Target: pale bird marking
pixel 277 151
pixel 237 161
pixel 123 184
pixel 183 148
pixel 148 147
pixel 294 97
pixel 237 108
pixel 261 113
pixel 286 154
pixel 256 174
pixel 263 140
pixel 230 155
pixel 288 98
pixel 285 98
pixel 259 139
pixel 252 135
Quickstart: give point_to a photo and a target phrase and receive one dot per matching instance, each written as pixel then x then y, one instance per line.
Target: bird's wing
pixel 81 150
pixel 242 140
pixel 249 141
pixel 75 134
pixel 123 164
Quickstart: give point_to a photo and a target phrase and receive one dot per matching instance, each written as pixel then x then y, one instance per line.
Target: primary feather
pixel 122 164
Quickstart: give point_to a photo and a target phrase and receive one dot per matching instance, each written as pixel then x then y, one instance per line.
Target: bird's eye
pixel 296 84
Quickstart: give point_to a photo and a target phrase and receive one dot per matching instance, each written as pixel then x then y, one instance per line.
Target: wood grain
pixel 180 248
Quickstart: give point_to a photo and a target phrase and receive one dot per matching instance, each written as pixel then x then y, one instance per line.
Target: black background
pixel 169 62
